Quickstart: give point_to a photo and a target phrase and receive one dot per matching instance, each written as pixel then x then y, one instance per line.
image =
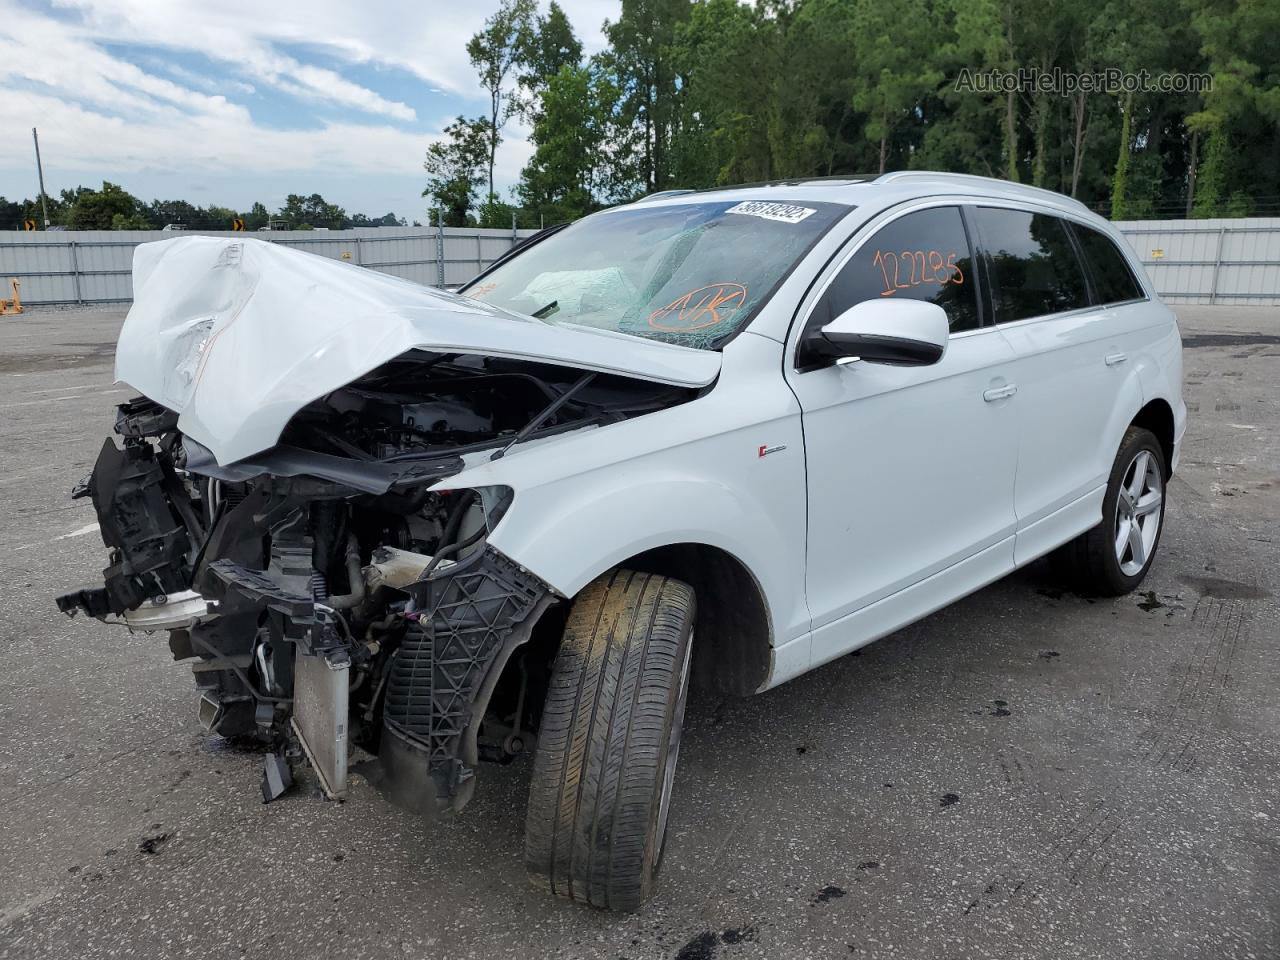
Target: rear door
pixel 1136 322
pixel 1065 343
pixel 910 471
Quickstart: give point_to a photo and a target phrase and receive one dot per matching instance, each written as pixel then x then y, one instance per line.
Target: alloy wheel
pixel 1139 512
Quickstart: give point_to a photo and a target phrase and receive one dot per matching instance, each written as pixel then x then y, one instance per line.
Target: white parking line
pixel 70 396
pixel 63 389
pixel 87 528
pixel 16 911
pixel 32 403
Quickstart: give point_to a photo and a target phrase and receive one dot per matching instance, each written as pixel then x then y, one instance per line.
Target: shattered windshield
pixel 692 274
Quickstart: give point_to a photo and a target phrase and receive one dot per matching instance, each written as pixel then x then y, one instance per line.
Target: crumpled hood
pixel 239 335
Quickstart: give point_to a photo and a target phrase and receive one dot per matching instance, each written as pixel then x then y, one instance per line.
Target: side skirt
pixel 910 604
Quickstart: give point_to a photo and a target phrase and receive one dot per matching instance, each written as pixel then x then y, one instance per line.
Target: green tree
pixel 891 47
pixel 722 132
pixel 257 217
pixel 496 51
pixel 58 207
pixel 568 176
pixel 455 168
pixel 111 208
pixel 163 212
pixel 131 221
pixel 1239 119
pixel 1120 179
pixel 10 214
pixel 218 218
pixel 1145 35
pixel 307 213
pixel 719 91
pixel 735 121
pixel 386 220
pixel 550 46
pixel 963 129
pixel 642 62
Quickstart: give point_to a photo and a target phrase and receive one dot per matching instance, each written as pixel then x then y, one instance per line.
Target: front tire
pixel 1114 557
pixel 609 741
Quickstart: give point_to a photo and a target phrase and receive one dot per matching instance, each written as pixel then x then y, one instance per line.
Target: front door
pixel 910 470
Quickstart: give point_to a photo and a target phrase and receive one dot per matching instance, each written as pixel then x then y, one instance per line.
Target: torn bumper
pixel 402 655
pixel 149 545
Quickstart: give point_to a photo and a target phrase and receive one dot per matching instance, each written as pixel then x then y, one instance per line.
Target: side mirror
pixel 898 332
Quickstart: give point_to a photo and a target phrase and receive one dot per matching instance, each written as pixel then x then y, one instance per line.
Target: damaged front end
pixel 331 590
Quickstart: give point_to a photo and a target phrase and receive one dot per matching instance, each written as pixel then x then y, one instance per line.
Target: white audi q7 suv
pixel 724 436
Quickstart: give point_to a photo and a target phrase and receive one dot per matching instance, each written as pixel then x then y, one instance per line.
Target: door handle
pixel 1113 358
pixel 999 393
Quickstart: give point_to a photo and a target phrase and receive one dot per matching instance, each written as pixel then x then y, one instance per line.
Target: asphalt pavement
pixel 1024 774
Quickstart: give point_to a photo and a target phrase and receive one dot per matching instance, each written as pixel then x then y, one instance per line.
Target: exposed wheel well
pixel 1157 416
pixel 732 648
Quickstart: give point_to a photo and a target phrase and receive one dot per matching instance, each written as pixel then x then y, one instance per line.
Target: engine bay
pixel 324 593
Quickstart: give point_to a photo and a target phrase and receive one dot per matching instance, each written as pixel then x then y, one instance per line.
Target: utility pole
pixel 44 206
pixel 439 246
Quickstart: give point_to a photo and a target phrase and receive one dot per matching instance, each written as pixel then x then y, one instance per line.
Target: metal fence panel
pixel 1189 261
pixel 1210 261
pixel 95 266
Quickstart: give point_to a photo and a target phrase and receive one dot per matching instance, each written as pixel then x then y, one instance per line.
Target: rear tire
pixel 609 740
pixel 1114 557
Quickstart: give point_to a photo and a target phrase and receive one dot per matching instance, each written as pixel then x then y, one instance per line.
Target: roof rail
pixel 662 195
pixel 984 183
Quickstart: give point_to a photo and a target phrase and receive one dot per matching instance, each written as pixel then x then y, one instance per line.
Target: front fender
pixel 726 470
pixel 571 531
pixel 582 530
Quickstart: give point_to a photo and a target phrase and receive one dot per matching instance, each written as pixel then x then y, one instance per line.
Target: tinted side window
pixel 1034 267
pixel 921 256
pixel 1113 281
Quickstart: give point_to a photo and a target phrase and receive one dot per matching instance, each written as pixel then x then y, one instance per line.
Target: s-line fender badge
pixel 765 450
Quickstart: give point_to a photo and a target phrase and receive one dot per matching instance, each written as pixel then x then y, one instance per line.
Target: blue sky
pixel 237 101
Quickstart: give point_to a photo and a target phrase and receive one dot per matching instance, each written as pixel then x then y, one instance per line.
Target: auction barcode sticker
pixel 782 212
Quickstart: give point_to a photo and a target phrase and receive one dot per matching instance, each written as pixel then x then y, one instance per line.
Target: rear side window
pixel 920 256
pixel 1034 267
pixel 1113 281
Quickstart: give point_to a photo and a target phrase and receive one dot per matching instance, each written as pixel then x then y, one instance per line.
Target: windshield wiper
pixel 545 415
pixel 543 312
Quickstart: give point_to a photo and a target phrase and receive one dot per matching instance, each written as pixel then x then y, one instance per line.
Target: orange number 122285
pixel 913 268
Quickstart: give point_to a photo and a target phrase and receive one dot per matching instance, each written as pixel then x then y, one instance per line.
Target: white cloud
pixel 103 104
pixel 38 50
pixel 427 39
pixel 215 142
pixel 324 85
pixel 190 78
